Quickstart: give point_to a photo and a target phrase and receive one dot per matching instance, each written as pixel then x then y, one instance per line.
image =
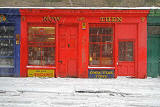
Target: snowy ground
pixel 74 92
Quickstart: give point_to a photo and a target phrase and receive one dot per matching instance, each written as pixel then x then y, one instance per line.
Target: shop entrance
pixel 68 58
pixel 126 49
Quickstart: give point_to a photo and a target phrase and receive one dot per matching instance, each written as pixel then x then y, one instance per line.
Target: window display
pixel 6 46
pixel 101 45
pixel 41 42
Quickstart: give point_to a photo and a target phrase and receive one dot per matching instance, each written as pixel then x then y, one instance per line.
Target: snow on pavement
pixel 76 92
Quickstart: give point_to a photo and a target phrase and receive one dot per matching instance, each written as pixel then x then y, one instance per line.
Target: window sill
pixel 41 67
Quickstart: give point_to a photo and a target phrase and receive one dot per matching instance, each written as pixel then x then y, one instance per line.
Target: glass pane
pixel 107 39
pixel 107 54
pixel 107 50
pixel 48 54
pixel 94 54
pixel 129 53
pixel 126 51
pixel 34 56
pixel 93 30
pixel 153 30
pixel 42 34
pixel 121 51
pixel 101 30
pixel 6 47
pixel 6 32
pixel 105 30
pixel 6 62
pixel 94 39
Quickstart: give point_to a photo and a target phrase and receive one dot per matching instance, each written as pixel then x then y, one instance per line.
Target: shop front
pixel 9 42
pixel 153 44
pixel 84 43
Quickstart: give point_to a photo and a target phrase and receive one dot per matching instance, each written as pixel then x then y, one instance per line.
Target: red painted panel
pixel 23 50
pixel 126 69
pixel 85 12
pixel 68 51
pixel 142 50
pixel 83 51
pixel 127 31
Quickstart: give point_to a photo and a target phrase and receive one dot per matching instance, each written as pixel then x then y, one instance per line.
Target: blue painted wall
pixel 12 18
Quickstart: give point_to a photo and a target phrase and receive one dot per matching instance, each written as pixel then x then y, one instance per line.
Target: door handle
pixel 117 63
pixel 60 61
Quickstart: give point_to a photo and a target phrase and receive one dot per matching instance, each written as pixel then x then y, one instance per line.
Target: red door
pixel 126 49
pixel 126 58
pixel 68 58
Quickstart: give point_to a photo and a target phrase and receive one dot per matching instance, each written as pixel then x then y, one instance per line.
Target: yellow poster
pixel 40 73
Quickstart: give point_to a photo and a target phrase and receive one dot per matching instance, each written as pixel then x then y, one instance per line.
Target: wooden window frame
pixel 37 44
pixel 127 40
pixel 103 43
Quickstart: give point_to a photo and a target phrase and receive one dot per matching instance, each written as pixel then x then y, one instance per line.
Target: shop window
pixel 41 42
pixel 126 51
pixel 101 45
pixel 6 46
